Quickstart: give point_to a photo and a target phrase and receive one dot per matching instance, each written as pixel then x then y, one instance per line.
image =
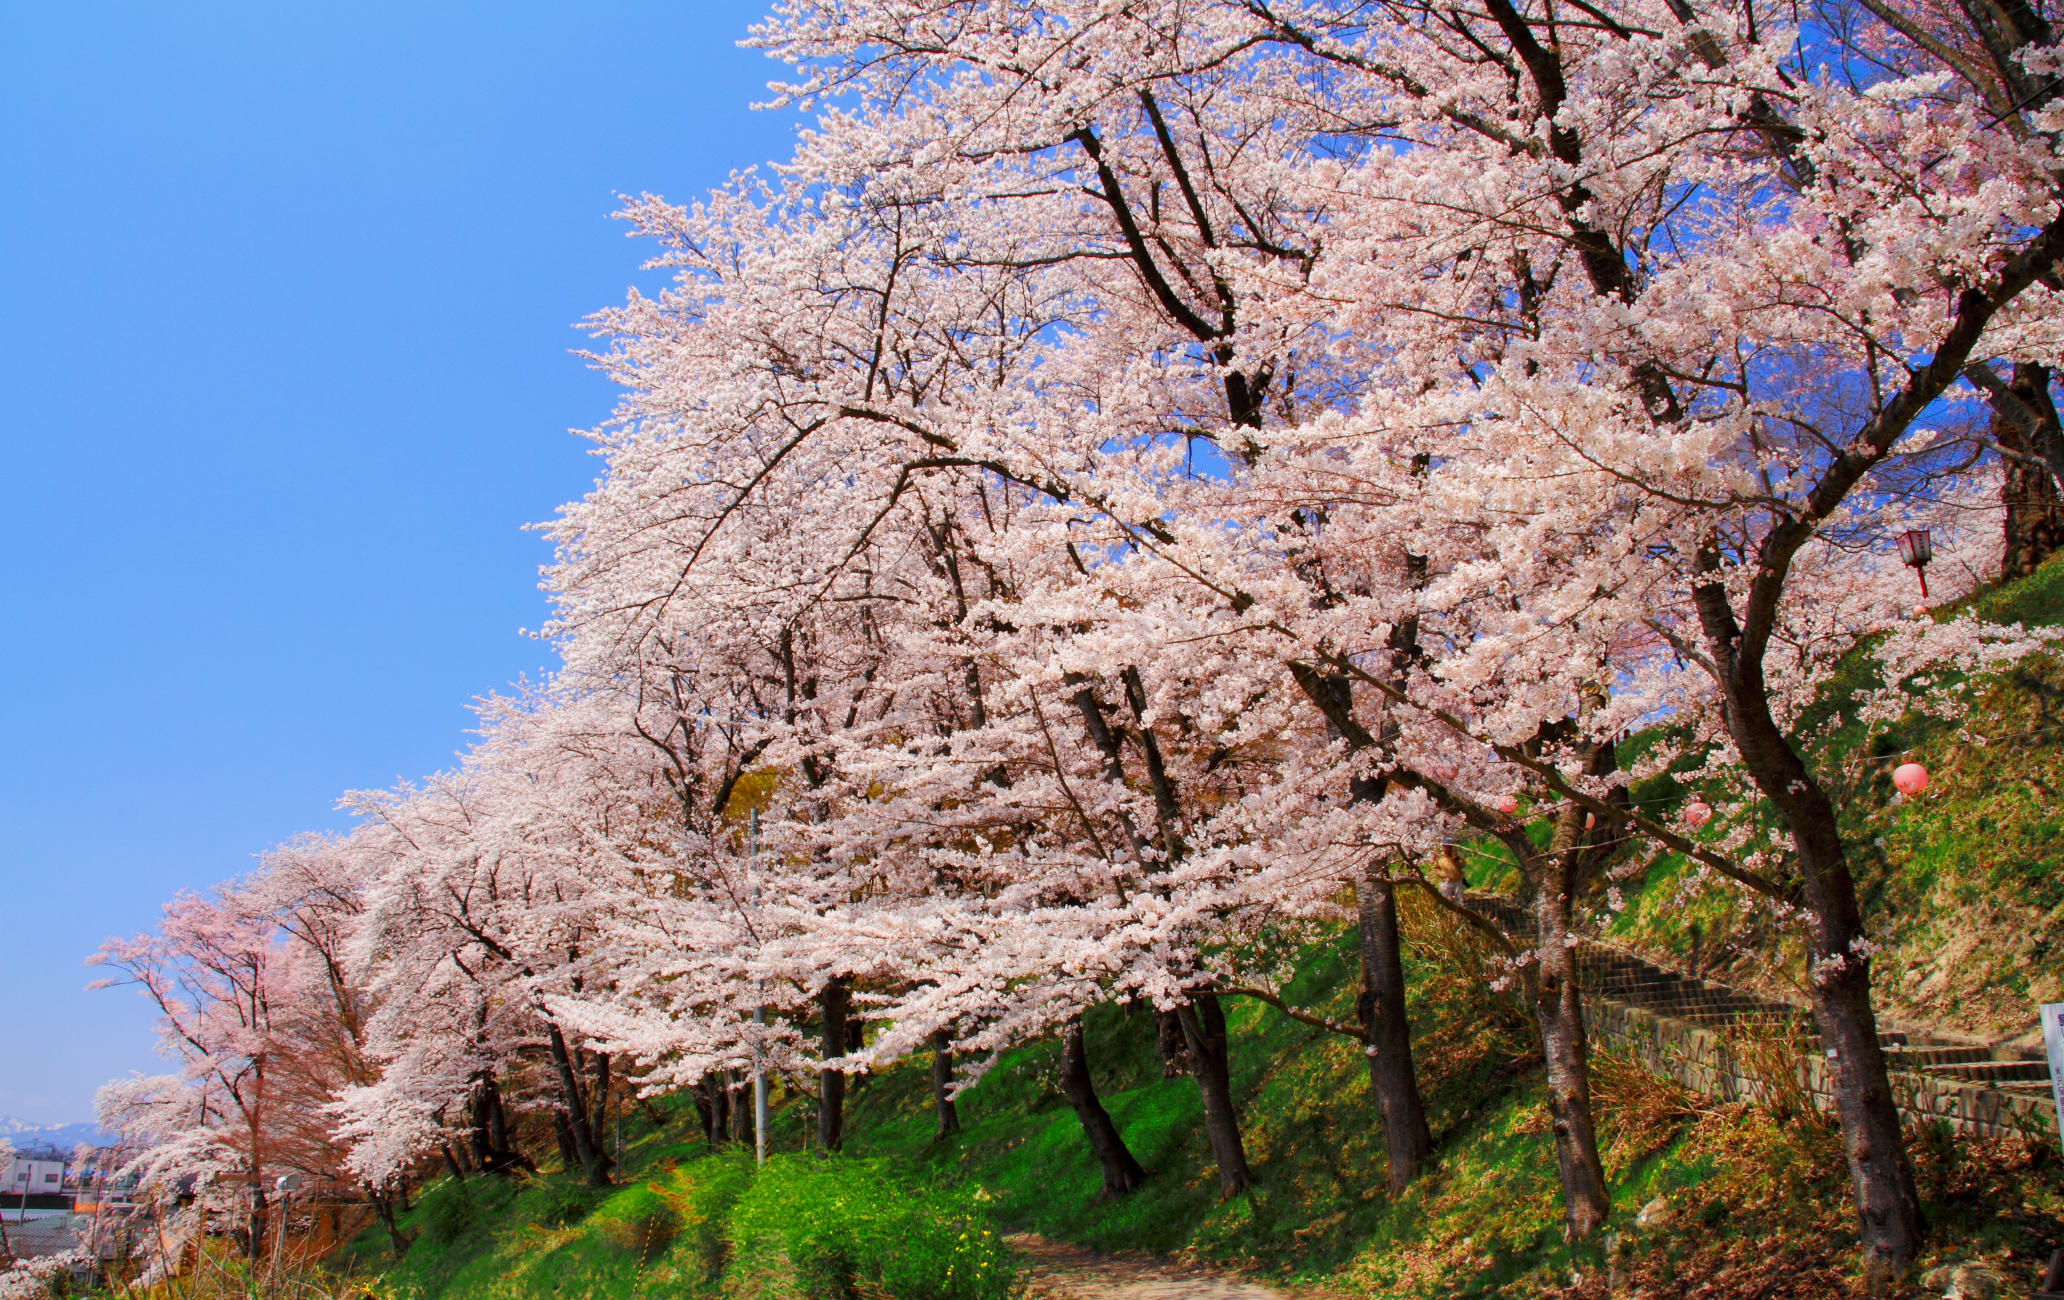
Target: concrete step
pixel 1995 1071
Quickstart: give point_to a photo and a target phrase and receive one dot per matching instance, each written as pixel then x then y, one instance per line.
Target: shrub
pixel 848 1228
pixel 447 1214
pixel 558 1202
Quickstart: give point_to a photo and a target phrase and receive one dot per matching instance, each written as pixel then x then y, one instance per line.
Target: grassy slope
pixel 1755 1205
pixel 1961 887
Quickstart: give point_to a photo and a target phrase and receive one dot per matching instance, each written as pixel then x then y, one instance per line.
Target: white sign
pixel 2053 1044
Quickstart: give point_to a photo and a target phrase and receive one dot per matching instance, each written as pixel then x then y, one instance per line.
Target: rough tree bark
pixel 831 1084
pixel 575 1134
pixel 1407 1139
pixel 1393 1076
pixel 1551 983
pixel 1204 1030
pixel 1122 1173
pixel 2034 512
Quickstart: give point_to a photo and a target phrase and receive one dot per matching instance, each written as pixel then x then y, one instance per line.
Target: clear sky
pixel 286 303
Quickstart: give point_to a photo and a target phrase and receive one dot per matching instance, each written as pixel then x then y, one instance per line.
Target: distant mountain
pixel 60 1138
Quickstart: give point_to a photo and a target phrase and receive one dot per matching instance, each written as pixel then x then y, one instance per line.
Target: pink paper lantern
pixel 1909 779
pixel 1508 804
pixel 1697 813
pixel 1920 611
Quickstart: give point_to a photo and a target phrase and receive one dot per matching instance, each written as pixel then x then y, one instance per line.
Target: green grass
pixel 1959 887
pixel 688 1223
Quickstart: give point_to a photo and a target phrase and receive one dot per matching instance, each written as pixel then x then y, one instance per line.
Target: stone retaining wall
pixel 1737 1069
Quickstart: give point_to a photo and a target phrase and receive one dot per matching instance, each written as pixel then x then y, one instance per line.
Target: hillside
pixel 1960 886
pixel 1972 911
pixel 1486 1222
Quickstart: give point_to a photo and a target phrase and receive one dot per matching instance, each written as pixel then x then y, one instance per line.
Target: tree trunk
pixel 2034 527
pixel 1392 1074
pixel 1888 1208
pixel 831 1084
pixel 598 1100
pixel 1122 1173
pixel 254 1234
pixel 1204 1030
pixel 1559 1013
pixel 384 1207
pixel 942 1086
pixel 1175 1050
pixel 738 1104
pixel 573 1112
pixel 487 1128
pixel 1392 1077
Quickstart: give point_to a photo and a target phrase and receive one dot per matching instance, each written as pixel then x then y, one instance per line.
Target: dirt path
pixel 1063 1272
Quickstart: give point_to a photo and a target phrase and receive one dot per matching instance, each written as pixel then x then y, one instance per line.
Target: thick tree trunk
pixel 1122 1173
pixel 487 1129
pixel 1559 1013
pixel 942 1086
pixel 1392 1077
pixel 1204 1030
pixel 2034 512
pixel 831 1084
pixel 1888 1208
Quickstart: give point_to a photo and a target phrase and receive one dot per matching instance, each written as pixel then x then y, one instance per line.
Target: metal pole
pixel 759 1073
pixel 759 1095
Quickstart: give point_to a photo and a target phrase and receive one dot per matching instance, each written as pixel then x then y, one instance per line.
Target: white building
pixel 35 1177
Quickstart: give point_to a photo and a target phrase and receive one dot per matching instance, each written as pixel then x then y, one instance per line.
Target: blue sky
pixel 286 297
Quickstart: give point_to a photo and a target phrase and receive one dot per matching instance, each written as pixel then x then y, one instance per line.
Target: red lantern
pixel 1508 804
pixel 1909 779
pixel 1916 548
pixel 1697 813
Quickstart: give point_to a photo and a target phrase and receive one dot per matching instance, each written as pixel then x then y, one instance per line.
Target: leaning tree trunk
pixel 1888 1207
pixel 1559 1013
pixel 831 1084
pixel 1204 1030
pixel 1122 1173
pixel 574 1133
pixel 1406 1137
pixel 942 1086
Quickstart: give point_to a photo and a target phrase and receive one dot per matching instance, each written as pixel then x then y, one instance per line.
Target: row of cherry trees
pixel 1144 474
